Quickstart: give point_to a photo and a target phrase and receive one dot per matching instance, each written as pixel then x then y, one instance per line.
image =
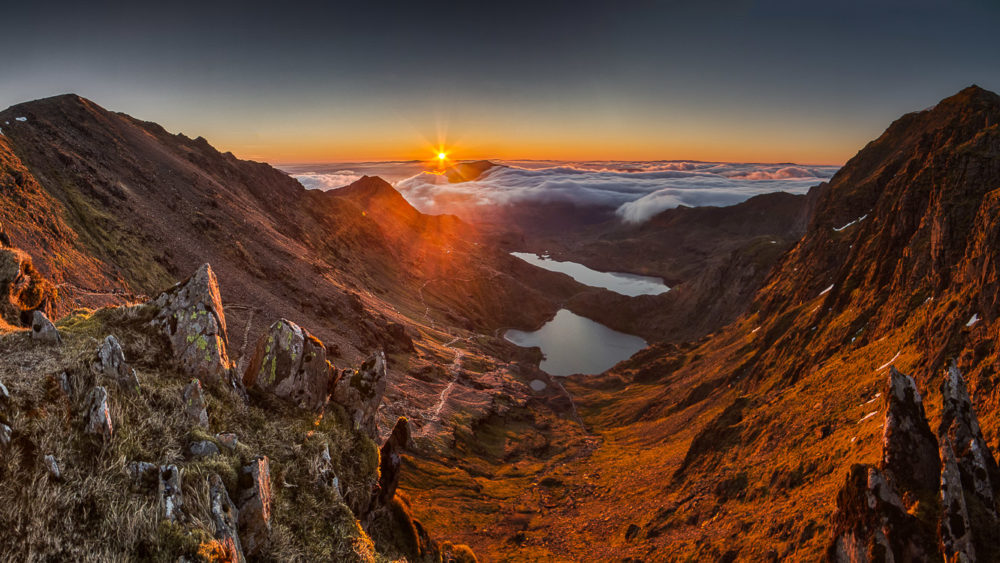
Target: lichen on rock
pixel 291 364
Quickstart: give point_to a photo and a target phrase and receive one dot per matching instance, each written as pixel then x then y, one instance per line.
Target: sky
pixel 714 80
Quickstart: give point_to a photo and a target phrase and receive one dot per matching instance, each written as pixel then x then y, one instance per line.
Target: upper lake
pixel 625 284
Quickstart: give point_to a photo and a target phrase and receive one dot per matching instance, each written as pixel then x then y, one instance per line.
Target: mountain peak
pixel 971 96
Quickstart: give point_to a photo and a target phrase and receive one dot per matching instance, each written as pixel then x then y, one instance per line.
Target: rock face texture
pixel 97 416
pixel 111 363
pixel 194 403
pixel 390 460
pixel 169 488
pixel 191 316
pixel 255 505
pixel 887 514
pixel 909 448
pixel 42 329
pixel 291 363
pixel 360 392
pixel 226 518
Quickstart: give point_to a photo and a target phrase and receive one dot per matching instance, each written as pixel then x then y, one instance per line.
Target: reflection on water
pixel 575 344
pixel 625 284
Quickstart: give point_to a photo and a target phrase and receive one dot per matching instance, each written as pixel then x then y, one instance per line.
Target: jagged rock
pixel 53 466
pixel 204 448
pixel 390 459
pixel 870 523
pixel 327 475
pixel 11 264
pixel 291 363
pixel 191 316
pixel 255 505
pixel 111 363
pixel 143 474
pixel 42 329
pixel 171 499
pixel 227 439
pixel 960 425
pixel 194 403
pixel 97 417
pixel 5 403
pixel 360 393
pixel 909 449
pixel 226 518
pixel 5 434
pixel 955 530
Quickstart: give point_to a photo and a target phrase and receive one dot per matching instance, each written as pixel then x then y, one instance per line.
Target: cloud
pixel 316 181
pixel 635 190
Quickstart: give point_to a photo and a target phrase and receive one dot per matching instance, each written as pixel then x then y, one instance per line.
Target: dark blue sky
pixel 285 81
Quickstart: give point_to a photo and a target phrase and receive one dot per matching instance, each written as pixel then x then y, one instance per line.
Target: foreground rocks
pixel 255 505
pixel 42 329
pixel 360 392
pixel 225 516
pixel 111 363
pixel 191 316
pixel 291 364
pixel 887 513
pixel 194 403
pixel 97 416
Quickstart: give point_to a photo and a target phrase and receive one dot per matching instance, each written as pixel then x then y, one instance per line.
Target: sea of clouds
pixel 636 190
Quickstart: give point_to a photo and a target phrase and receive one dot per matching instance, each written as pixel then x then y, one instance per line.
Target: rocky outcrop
pixel 111 363
pixel 97 415
pixel 360 392
pixel 969 477
pixel 194 403
pixel 203 448
pixel 42 329
pixel 255 505
pixel 226 518
pixel 390 460
pixel 909 448
pixel 53 466
pixel 170 495
pixel 190 315
pixel 291 364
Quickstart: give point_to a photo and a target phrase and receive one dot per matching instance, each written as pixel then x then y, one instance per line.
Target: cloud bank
pixel 636 190
pixel 327 181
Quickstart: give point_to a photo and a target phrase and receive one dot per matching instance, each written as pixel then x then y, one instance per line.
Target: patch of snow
pixel 867 416
pixel 827 290
pixel 973 320
pixel 754 330
pixel 858 220
pixel 853 439
pixel 21 118
pixel 889 363
pixel 873 399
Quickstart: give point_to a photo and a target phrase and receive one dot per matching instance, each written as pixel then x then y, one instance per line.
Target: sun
pixel 442 156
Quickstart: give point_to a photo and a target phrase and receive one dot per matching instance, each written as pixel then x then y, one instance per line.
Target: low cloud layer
pixel 328 181
pixel 636 190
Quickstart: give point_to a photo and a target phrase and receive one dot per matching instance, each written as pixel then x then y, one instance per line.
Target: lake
pixel 625 284
pixel 574 344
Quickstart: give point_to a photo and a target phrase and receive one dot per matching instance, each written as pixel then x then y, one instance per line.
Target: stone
pixel 191 316
pixel 228 440
pixel 171 498
pixel 11 265
pixel 390 460
pixel 204 448
pixel 97 416
pixel 909 449
pixel 225 516
pixel 5 436
pixel 959 424
pixel 327 474
pixel 194 403
pixel 53 466
pixel 255 505
pixel 6 404
pixel 111 363
pixel 955 530
pixel 42 329
pixel 291 364
pixel 360 393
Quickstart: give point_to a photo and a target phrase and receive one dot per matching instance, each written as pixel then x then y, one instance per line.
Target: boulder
pixel 194 403
pixel 203 448
pixel 291 364
pixel 228 440
pixel 955 530
pixel 360 393
pixel 11 264
pixel 909 448
pixel 226 518
pixel 171 498
pixel 390 460
pixel 42 329
pixel 97 416
pixel 190 315
pixel 255 505
pixel 111 363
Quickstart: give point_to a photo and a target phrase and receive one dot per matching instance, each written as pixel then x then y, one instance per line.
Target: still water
pixel 575 344
pixel 625 284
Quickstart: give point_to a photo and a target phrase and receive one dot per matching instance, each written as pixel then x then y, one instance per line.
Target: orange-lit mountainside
pixel 202 359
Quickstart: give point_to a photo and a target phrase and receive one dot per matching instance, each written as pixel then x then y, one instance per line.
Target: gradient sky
pixel 768 81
